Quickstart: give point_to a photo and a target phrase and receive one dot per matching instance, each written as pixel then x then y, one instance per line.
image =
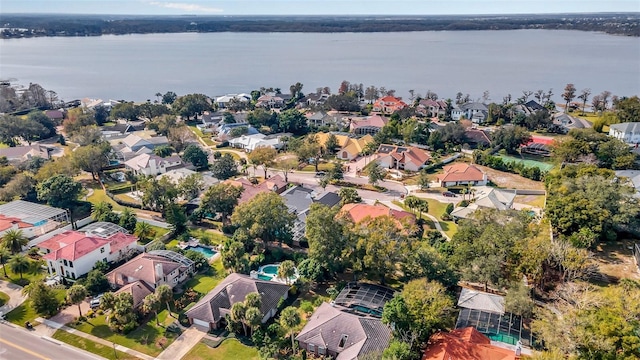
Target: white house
pixel 475 111
pixel 628 132
pixel 223 101
pixel 251 142
pixel 408 158
pixel 488 198
pixel 72 253
pixel 149 164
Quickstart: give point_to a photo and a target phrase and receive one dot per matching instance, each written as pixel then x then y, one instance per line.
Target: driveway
pixel 15 296
pixel 70 313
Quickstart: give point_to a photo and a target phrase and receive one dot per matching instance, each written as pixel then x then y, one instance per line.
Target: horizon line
pixel 336 15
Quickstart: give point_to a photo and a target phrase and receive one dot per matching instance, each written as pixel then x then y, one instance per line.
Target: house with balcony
pixel 155 268
pixel 475 111
pixel 388 104
pixel 409 158
pixel 432 108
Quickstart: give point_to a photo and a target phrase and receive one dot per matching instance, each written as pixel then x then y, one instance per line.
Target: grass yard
pixel 99 195
pixel 4 298
pixel 90 346
pixel 127 198
pixel 228 349
pixel 208 235
pixel 143 339
pixel 205 138
pixel 437 208
pixel 510 181
pixel 34 274
pixel 25 311
pixel 532 200
pixel 321 167
pixel 203 283
pixel 233 154
pixel 3 145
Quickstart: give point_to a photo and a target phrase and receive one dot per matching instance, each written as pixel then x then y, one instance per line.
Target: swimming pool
pixel 270 273
pixel 270 269
pixel 207 252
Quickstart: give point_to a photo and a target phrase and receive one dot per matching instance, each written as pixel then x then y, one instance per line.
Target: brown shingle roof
pixel 143 267
pixel 461 172
pixel 138 290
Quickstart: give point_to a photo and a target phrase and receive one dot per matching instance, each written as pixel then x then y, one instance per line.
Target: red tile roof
pixel 8 222
pixel 359 212
pixel 464 344
pixel 461 172
pixel 72 245
pixel 251 190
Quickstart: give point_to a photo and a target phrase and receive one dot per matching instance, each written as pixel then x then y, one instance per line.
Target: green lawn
pixel 99 195
pixel 437 208
pixel 4 298
pixel 3 145
pixel 25 311
pixel 206 138
pixel 212 236
pixel 35 273
pixel 90 346
pixel 203 283
pixel 142 339
pixel 233 154
pixel 160 231
pixel 229 349
pixel 321 167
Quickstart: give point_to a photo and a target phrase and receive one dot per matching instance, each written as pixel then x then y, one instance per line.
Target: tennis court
pixel 527 162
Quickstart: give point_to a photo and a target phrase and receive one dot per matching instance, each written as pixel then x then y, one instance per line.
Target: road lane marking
pixel 24 350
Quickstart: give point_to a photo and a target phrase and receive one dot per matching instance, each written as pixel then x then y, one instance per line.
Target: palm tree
pixel 253 300
pixel 289 319
pixel 75 295
pixel 14 240
pixel 4 256
pixel 151 303
pixel 101 210
pixel 423 207
pixel 165 294
pixel 108 300
pixel 19 264
pixel 144 231
pixel 286 270
pixel 237 314
pixel 158 95
pixel 253 316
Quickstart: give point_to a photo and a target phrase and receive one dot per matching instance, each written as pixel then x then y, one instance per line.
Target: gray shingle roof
pixel 627 127
pixel 478 300
pixel 234 288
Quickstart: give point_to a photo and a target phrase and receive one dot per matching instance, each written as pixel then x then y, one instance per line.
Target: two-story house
pixel 628 132
pixel 432 108
pixel 388 104
pixel 152 269
pixel 149 164
pixel 474 111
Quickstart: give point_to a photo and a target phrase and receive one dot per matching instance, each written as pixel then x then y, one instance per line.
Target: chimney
pixel 159 273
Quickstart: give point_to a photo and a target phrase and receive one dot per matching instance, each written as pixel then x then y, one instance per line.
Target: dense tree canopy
pixel 265 217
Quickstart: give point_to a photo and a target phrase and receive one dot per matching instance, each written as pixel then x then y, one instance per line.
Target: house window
pixel 101 250
pixel 66 272
pixel 71 264
pixel 343 340
pixel 73 276
pixel 65 263
pixel 321 350
pixel 312 348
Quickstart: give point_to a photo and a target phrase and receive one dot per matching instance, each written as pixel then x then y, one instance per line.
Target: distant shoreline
pixel 27 26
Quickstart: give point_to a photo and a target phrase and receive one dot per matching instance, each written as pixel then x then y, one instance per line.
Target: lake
pixel 136 67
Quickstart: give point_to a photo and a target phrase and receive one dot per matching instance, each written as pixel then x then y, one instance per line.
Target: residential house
pixel 155 268
pixel 465 344
pixel 408 158
pixel 314 99
pixel 633 178
pixel 318 119
pixel 149 164
pixel 33 219
pixel 271 101
pixel 210 311
pixel 486 198
pixel 24 153
pixel 210 120
pixel 461 174
pixel 370 125
pixel 225 130
pixel 349 327
pixel 474 111
pixel 275 183
pixel 134 144
pixel 73 253
pixel 529 108
pixel 55 115
pixel 564 122
pixel 179 174
pixel 299 199
pixel 251 142
pixel 349 146
pixel 362 212
pixel 628 132
pixel 388 104
pixel 224 101
pixel 138 290
pixel 120 129
pixel 477 139
pixel 432 108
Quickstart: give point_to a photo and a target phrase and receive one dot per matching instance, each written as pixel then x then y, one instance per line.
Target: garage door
pixel 201 323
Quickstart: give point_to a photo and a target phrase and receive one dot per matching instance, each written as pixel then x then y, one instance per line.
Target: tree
pixel 43 300
pixel 237 314
pixel 128 220
pixel 286 270
pixel 14 240
pixel 289 320
pixel 59 191
pixel 224 168
pixel 163 150
pixel 125 110
pixel 265 217
pixel 177 218
pixel 348 196
pixel 165 295
pixel 13 129
pixel 328 237
pixel 310 149
pixel 163 124
pixel 96 281
pixel 380 246
pixel 75 295
pixel 221 199
pixel 107 301
pixel 398 350
pixel 180 137
pixel 518 300
pixel 263 156
pixel 336 172
pixel 376 173
pixel 19 264
pixel 234 256
pixel 423 180
pixel 511 138
pixel 331 144
pixel 169 97
pixel 191 105
pixel 191 185
pixel 200 260
pixel 122 318
pixel 157 194
pixel 151 303
pixel 103 211
pixel 310 269
pixel 286 166
pixel 584 96
pixel 628 109
pixel 4 256
pixel 293 121
pixel 568 95
pixel 195 155
pixel 144 231
pixel 42 119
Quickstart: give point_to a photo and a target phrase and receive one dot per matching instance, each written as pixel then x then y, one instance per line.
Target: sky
pixel 316 7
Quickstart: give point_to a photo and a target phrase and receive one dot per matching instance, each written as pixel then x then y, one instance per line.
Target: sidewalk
pixel 15 296
pixel 181 346
pixel 55 325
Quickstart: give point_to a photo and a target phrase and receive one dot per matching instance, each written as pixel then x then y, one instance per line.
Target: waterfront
pixel 135 67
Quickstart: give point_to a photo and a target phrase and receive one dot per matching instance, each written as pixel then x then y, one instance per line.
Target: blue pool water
pixel 208 253
pixel 264 277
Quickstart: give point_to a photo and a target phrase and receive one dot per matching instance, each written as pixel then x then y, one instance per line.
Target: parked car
pixel 95 302
pixel 320 174
pixel 448 194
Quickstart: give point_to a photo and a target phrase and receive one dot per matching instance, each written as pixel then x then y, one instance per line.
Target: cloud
pixel 186 7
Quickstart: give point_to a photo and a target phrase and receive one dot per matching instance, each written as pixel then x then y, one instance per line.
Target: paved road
pixel 17 343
